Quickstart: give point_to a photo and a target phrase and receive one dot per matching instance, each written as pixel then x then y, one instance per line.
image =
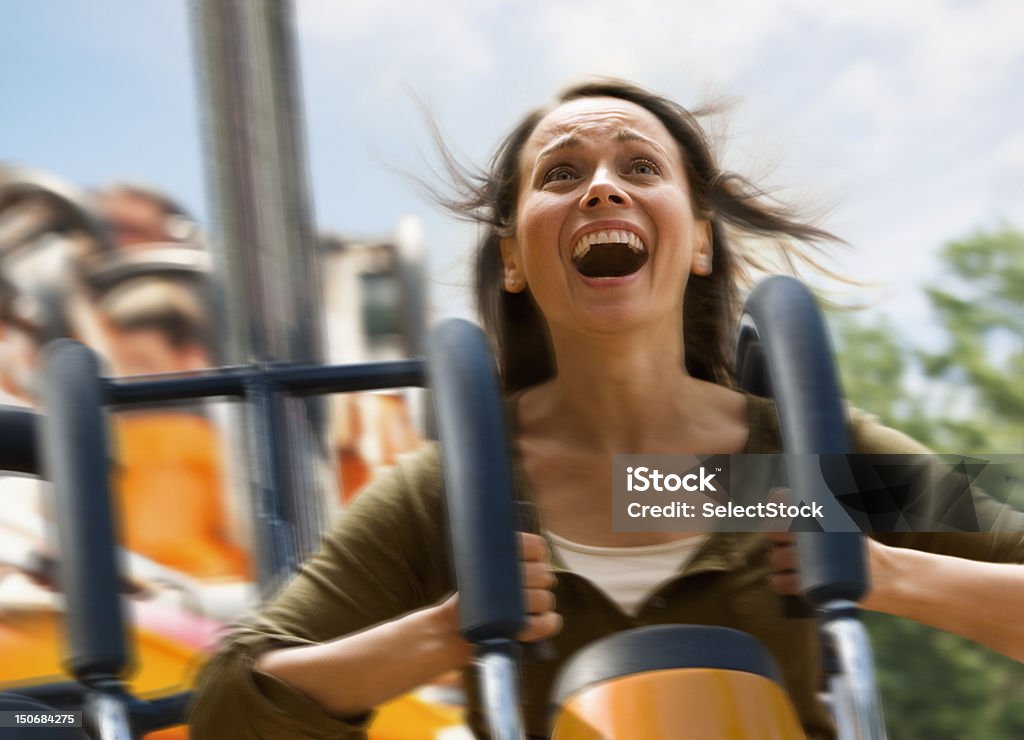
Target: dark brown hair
pixel 729 201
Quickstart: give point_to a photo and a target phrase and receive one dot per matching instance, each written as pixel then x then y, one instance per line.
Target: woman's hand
pixel 352 674
pixel 974 599
pixel 784 566
pixel 542 621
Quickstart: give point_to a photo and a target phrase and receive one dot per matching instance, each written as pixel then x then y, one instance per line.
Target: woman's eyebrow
pixel 628 135
pixel 565 141
pixel 571 139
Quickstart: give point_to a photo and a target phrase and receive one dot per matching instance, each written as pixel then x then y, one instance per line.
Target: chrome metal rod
pixel 109 717
pixel 499 682
pixel 858 706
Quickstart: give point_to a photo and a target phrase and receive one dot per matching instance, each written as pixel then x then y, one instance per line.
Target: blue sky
pixel 900 122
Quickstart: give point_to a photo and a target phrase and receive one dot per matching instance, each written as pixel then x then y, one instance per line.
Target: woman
pixel 606 278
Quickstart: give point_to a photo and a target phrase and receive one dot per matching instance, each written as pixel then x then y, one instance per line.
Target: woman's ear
pixel 704 251
pixel 514 282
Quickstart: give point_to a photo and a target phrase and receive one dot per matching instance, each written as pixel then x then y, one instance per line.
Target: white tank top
pixel 628 575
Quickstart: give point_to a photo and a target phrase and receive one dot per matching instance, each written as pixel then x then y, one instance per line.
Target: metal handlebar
pixel 784 351
pixel 77 461
pixel 858 709
pixel 481 513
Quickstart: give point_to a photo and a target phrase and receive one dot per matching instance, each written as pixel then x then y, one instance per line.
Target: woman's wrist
pixel 886 573
pixel 349 676
pixel 440 629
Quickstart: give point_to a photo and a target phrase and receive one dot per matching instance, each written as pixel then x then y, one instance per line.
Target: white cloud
pixel 443 38
pixel 1010 152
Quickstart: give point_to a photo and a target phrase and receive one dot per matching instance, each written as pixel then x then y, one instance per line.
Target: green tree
pixel 936 685
pixel 875 362
pixel 981 308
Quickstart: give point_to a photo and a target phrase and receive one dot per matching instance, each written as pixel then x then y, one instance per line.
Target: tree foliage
pixel 982 311
pixel 965 396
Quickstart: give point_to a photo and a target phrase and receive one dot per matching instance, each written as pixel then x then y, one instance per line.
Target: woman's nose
pixel 604 190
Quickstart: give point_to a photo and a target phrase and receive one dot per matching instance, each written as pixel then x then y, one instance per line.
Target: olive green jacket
pixel 388 556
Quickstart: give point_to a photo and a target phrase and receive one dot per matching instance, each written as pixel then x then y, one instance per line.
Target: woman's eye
pixel 645 167
pixel 559 174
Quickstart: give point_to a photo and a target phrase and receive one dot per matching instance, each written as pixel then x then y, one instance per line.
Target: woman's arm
pixel 376 579
pixel 979 600
pixel 967 583
pixel 351 675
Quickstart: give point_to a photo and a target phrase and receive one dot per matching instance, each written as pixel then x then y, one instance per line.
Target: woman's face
pixel 605 233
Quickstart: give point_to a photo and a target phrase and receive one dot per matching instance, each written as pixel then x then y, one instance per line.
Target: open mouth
pixel 609 254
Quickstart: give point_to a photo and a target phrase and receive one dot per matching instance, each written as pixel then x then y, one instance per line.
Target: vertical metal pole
pixel 264 223
pixel 412 274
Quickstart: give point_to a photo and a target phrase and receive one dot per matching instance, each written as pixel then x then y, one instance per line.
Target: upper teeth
pixel 608 237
